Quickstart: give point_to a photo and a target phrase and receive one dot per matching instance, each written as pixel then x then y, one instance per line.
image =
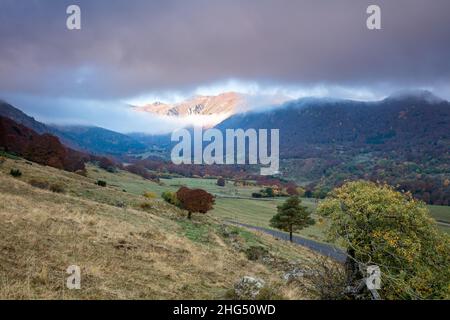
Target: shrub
pixel 320 193
pixel 255 253
pixel 39 184
pixel 170 197
pixel 57 188
pixel 221 182
pixel 146 206
pixel 328 281
pixel 383 227
pixel 300 192
pixel 149 195
pixel 101 183
pixel 269 293
pixel 9 155
pixel 266 193
pixel 15 173
pixel 269 192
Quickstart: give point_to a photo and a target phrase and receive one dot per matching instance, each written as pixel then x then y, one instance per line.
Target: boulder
pixel 248 287
pixel 293 274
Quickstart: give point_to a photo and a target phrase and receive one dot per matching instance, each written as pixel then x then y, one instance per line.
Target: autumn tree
pixel 291 216
pixel 292 190
pixel 383 227
pixel 107 164
pixel 140 170
pixel 44 149
pixel 300 191
pixel 195 200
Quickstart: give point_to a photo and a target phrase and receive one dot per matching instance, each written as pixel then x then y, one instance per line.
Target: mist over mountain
pixel 83 138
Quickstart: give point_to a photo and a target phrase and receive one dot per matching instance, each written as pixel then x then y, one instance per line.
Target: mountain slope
pixel 227 103
pixel 403 140
pixel 98 140
pixel 310 125
pixel 83 138
pixel 8 111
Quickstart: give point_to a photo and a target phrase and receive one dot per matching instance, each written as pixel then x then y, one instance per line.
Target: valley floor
pixel 236 204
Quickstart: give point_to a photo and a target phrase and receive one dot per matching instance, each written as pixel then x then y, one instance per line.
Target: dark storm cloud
pixel 126 48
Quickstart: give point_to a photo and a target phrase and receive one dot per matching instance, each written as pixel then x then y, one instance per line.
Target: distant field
pixel 128 182
pixel 229 190
pixel 441 213
pixel 258 212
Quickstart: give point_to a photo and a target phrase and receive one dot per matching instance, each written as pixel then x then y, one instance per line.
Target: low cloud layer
pixel 113 115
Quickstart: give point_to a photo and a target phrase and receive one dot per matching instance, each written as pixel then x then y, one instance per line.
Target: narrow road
pixel 319 247
pixel 443 223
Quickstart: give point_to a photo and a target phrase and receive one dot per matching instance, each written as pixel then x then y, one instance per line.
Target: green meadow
pixel 235 202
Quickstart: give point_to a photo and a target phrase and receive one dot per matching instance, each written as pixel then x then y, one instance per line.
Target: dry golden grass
pixel 124 253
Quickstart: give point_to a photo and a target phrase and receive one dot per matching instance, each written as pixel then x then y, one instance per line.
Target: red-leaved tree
pixel 195 200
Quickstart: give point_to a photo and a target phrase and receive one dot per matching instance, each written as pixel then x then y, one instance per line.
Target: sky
pixel 141 51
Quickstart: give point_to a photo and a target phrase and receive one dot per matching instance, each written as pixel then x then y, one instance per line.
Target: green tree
pixel 383 227
pixel 269 192
pixel 291 216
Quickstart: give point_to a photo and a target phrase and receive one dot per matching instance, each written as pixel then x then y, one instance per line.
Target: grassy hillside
pixel 123 252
